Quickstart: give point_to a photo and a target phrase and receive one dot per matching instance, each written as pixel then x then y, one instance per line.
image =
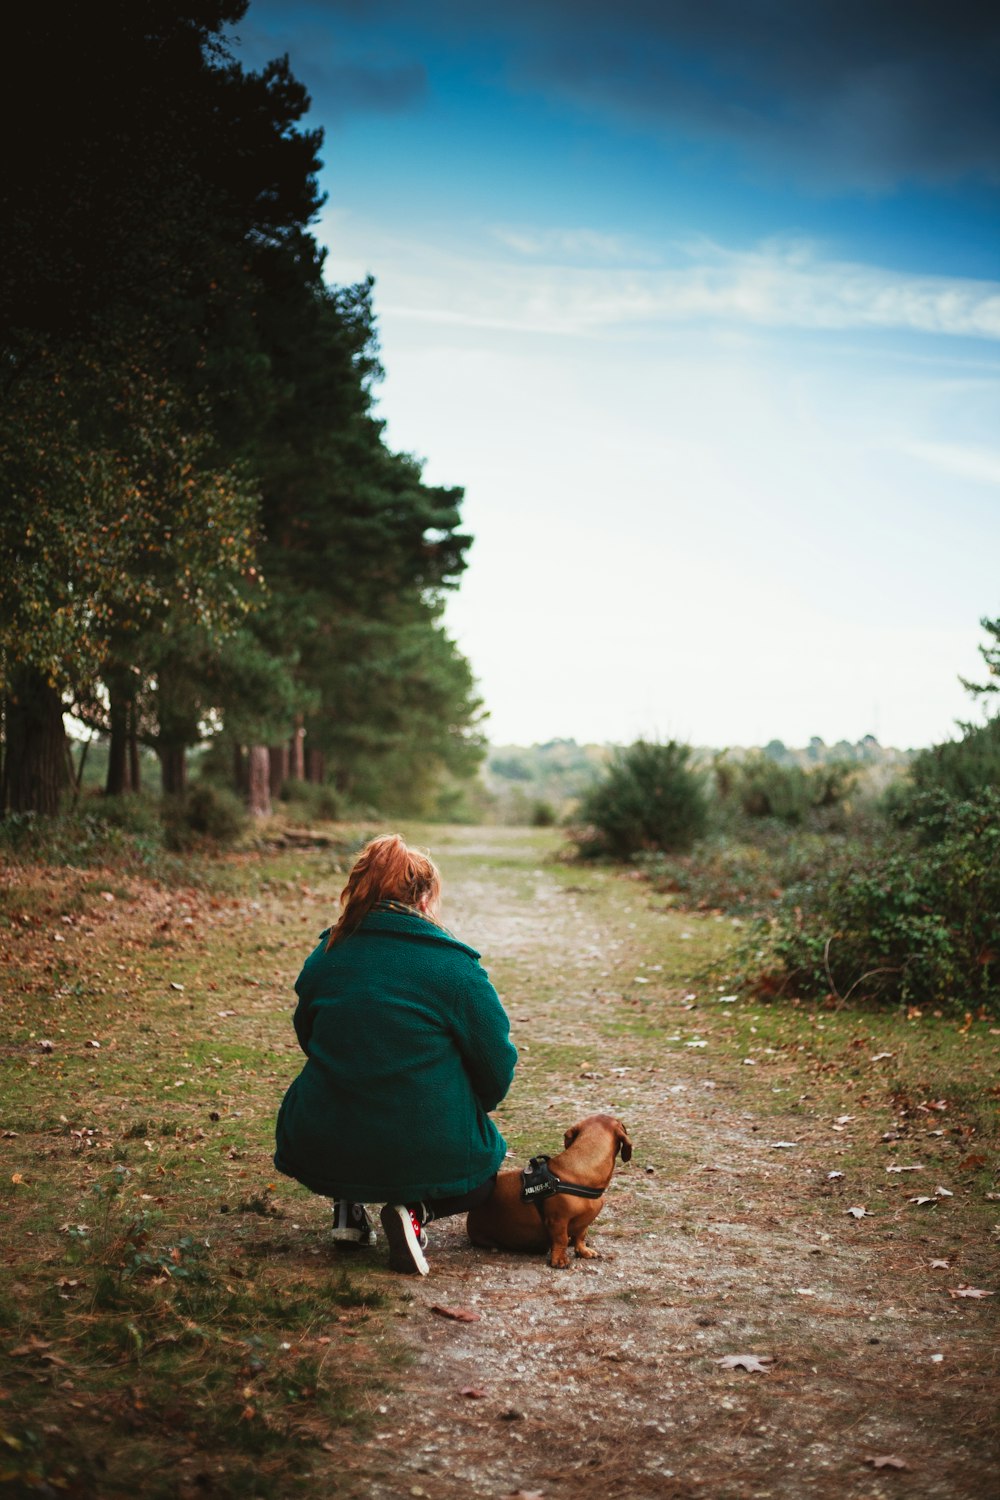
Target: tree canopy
pixel 202 528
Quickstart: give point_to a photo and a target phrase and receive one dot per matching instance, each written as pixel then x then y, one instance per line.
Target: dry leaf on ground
pixel 755 1363
pixel 887 1461
pixel 456 1314
pixel 967 1291
pixel 857 1212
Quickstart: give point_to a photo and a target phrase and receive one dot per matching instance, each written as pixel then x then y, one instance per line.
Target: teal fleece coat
pixel 408 1047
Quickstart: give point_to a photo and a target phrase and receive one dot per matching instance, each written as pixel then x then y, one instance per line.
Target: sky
pixel 701 305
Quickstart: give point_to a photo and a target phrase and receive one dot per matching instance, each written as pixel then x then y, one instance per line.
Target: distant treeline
pixel 203 534
pixel 543 782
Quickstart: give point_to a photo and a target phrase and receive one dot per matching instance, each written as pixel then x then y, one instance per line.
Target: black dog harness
pixel 539 1182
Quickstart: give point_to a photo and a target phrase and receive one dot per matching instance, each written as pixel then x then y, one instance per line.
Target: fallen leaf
pixel 918 1167
pixel 922 1199
pixel 755 1363
pixel 17 1178
pixel 31 1345
pixel 857 1212
pixel 474 1392
pixel 783 1145
pixel 939 1265
pixel 843 1119
pixel 833 1176
pixel 936 1359
pixel 174 986
pixel 880 1056
pixel 804 1291
pixel 943 1192
pixel 971 1163
pixel 95 1044
pixel 967 1291
pixel 887 1461
pixel 457 1314
pixel 44 1045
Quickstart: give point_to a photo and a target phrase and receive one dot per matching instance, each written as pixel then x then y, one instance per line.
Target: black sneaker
pixel 406 1239
pixel 351 1225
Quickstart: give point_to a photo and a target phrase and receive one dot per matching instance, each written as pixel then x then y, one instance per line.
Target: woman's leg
pixel 443 1208
pixel 404 1225
pixel 351 1225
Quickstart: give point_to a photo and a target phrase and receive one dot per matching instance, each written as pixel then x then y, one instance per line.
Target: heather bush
pixel 651 797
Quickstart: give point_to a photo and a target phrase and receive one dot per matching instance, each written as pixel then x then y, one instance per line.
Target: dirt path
pixel 715 1241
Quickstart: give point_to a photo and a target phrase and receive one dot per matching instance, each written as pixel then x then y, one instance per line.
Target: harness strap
pixel 538 1182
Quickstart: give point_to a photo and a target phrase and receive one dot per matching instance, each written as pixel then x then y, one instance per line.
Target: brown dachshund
pixel 506 1220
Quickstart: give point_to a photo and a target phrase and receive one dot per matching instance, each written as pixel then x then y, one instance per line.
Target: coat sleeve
pixel 305 990
pixel 482 1033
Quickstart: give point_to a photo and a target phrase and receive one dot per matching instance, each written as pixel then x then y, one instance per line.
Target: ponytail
pixel 386 870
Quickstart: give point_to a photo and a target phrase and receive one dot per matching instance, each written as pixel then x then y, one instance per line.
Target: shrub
pixel 311 800
pixel 765 788
pixel 961 767
pixel 85 836
pixel 650 798
pixel 917 924
pixel 543 815
pixel 203 815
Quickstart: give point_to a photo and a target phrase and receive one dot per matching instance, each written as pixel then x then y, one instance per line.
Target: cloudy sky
pixel 701 304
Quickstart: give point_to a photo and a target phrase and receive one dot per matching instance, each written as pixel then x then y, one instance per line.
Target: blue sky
pixel 702 307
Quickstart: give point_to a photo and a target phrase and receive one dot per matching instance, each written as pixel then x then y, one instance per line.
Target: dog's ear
pixel 624 1144
pixel 571 1135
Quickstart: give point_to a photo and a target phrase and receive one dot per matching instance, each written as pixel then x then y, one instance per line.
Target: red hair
pixel 385 870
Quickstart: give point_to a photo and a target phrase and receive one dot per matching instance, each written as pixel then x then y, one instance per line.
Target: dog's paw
pixel 585 1253
pixel 559 1265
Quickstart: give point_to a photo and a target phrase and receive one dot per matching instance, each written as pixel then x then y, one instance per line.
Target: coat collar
pixel 404 924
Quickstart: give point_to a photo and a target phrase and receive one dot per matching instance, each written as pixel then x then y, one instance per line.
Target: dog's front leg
pixel 582 1249
pixel 557 1226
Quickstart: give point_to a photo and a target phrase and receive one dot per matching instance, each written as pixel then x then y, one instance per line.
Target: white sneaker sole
pixel 405 1254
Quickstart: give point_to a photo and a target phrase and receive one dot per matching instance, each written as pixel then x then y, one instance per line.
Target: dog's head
pixel 603 1122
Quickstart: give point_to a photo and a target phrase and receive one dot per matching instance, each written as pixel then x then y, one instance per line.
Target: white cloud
pixel 980 465
pixel 784 287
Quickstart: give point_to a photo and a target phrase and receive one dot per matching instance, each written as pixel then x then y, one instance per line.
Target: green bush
pixel 313 801
pixel 917 923
pixel 650 798
pixel 84 837
pixel 764 788
pixel 740 875
pixel 543 814
pixel 202 816
pixel 960 767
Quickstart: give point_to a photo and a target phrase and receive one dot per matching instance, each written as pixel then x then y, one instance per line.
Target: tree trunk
pixel 296 751
pixel 35 764
pixel 134 772
pixel 117 780
pixel 278 757
pixel 173 769
pixel 239 770
pixel 314 766
pixel 259 790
